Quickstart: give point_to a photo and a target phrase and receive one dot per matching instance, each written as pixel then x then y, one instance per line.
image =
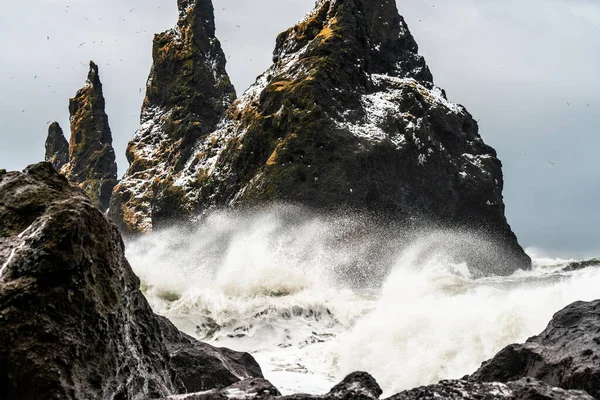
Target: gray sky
pixel 515 64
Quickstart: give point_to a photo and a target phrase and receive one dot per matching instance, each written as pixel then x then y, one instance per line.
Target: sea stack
pixel 57 147
pixel 187 94
pixel 92 162
pixel 347 117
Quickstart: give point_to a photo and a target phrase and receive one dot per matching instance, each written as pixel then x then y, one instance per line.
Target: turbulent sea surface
pixel 314 298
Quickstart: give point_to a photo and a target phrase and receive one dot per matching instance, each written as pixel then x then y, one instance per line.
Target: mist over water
pixel 315 297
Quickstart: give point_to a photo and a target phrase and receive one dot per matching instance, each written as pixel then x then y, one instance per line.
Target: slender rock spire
pixel 91 155
pixel 57 147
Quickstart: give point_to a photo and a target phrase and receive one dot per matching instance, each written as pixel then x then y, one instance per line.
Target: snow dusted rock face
pixel 347 117
pixel 91 160
pixel 57 147
pixel 187 94
pixel 73 322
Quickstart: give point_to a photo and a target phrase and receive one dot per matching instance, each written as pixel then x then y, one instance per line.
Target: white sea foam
pixel 313 298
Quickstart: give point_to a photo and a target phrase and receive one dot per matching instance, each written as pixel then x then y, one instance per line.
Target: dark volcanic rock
pixel 347 117
pixel 57 147
pixel 577 265
pixel 201 366
pixel 73 323
pixel 91 155
pixel 187 94
pixel 566 354
pixel 356 386
pixel 247 389
pixel 524 389
pixel 361 386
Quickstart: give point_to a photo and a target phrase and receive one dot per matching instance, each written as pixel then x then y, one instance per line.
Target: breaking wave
pixel 316 297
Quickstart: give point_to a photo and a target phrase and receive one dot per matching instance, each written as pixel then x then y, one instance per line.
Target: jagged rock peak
pixel 93 77
pixel 92 162
pixel 189 61
pixel 57 147
pixel 370 35
pixel 188 93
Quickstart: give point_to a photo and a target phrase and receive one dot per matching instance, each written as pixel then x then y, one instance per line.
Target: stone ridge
pixel 187 94
pixel 92 162
pixel 57 147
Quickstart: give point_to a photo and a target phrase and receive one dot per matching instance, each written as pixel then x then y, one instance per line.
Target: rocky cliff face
pixel 187 95
pixel 57 147
pixel 73 322
pixel 347 117
pixel 566 354
pixel 91 155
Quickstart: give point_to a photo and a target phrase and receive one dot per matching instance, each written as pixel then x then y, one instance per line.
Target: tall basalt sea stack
pixel 347 117
pixel 57 147
pixel 92 162
pixel 187 94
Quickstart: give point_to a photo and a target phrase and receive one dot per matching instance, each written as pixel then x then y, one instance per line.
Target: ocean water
pixel 314 298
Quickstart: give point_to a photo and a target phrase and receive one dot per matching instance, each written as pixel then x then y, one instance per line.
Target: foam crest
pixel 315 297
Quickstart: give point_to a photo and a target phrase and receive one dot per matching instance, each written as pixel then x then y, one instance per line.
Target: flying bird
pixel 81 44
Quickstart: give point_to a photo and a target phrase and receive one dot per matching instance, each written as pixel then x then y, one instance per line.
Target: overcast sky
pixel 528 70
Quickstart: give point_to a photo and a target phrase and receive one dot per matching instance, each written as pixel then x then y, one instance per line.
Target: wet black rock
pixel 356 386
pixel 201 366
pixel 73 322
pixel 566 354
pixel 257 388
pixel 577 265
pixel 524 389
pixel 57 147
pixel 361 386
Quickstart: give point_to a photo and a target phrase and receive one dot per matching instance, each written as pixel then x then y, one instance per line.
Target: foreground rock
pixel 524 389
pixel 57 147
pixel 356 386
pixel 73 323
pixel 566 354
pixel 347 117
pixel 361 386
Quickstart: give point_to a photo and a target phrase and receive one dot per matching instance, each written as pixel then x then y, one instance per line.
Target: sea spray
pixel 314 297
